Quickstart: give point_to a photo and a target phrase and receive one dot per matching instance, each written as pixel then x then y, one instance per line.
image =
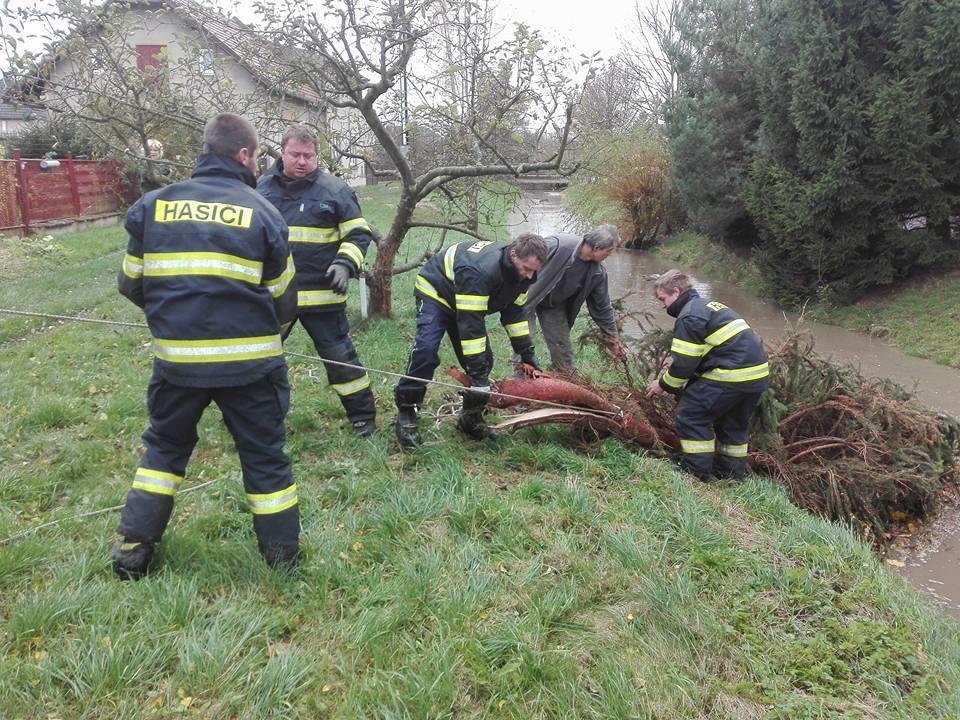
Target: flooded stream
pixel 933 569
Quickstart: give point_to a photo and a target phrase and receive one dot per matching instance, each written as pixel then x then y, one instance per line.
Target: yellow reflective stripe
pixel 155 481
pixel 473 303
pixel 303 234
pixel 351 387
pixel 271 503
pixel 279 285
pixel 697 446
pixel 349 226
pixel 521 299
pixel 132 266
pixel 221 350
pixel 756 372
pixel 671 381
pixel 199 211
pixel 475 346
pixel 733 450
pixel 682 347
pixel 352 252
pixel 424 286
pixel 202 263
pixel 517 329
pixel 313 298
pixel 731 329
pixel 448 258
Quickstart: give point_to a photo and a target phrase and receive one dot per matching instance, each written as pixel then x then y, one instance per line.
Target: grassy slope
pixel 527 580
pixel 920 320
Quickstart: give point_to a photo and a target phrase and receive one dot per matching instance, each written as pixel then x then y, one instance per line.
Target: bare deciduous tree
pixel 656 55
pixel 432 65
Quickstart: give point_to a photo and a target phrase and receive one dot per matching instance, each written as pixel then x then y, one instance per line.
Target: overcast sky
pixel 584 26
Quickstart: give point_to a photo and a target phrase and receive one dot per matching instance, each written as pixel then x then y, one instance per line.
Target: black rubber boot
pixel 408 427
pixel 471 422
pixel 364 428
pixel 131 559
pixel 281 556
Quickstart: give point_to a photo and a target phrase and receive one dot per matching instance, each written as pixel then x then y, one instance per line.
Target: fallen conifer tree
pixel 854 449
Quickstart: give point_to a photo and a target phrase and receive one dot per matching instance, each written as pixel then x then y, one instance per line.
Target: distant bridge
pixel 539 181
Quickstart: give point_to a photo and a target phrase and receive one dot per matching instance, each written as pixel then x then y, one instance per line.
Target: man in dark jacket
pixel 719 365
pixel 574 275
pixel 455 290
pixel 329 239
pixel 208 262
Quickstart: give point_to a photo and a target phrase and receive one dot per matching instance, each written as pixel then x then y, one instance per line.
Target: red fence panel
pixel 99 185
pixel 31 194
pixel 48 190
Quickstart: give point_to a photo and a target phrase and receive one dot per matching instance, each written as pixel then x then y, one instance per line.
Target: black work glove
pixel 339 278
pixel 529 356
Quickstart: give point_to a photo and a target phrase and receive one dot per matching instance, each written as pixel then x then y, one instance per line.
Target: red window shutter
pixel 150 56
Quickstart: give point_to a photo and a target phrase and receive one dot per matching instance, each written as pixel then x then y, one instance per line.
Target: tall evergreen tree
pixel 714 116
pixel 848 187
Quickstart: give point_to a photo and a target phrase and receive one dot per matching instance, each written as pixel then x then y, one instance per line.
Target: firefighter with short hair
pixel 719 368
pixel 329 238
pixel 208 261
pixel 455 291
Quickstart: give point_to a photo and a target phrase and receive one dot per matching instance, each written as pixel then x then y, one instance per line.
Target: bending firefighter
pixel 208 261
pixel 329 239
pixel 455 290
pixel 719 369
pixel 573 275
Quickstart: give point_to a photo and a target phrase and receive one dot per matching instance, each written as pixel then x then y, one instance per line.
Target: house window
pixel 151 56
pixel 206 62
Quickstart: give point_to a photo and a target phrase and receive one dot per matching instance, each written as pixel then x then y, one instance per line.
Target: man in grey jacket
pixel 574 275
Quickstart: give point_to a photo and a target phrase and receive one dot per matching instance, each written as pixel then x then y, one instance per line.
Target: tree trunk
pixel 473 205
pixel 381 278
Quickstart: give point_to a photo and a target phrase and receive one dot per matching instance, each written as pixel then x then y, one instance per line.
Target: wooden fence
pixel 32 195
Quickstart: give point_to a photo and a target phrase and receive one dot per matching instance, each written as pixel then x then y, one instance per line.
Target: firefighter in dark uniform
pixel 719 369
pixel 329 239
pixel 209 263
pixel 455 290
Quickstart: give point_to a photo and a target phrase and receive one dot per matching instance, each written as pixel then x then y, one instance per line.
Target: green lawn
pixel 534 578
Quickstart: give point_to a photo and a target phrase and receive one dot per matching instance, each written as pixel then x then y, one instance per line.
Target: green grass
pixel 529 579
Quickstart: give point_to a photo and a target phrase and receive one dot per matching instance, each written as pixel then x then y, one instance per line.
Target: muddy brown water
pixel 932 566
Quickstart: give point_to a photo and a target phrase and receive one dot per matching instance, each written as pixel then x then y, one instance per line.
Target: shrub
pixel 632 172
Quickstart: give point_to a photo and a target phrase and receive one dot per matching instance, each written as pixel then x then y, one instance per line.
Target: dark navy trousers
pixel 254 415
pixel 713 424
pixel 433 322
pixel 330 332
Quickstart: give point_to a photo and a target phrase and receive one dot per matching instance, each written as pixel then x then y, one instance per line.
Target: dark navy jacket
pixel 209 263
pixel 326 227
pixel 713 343
pixel 474 279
